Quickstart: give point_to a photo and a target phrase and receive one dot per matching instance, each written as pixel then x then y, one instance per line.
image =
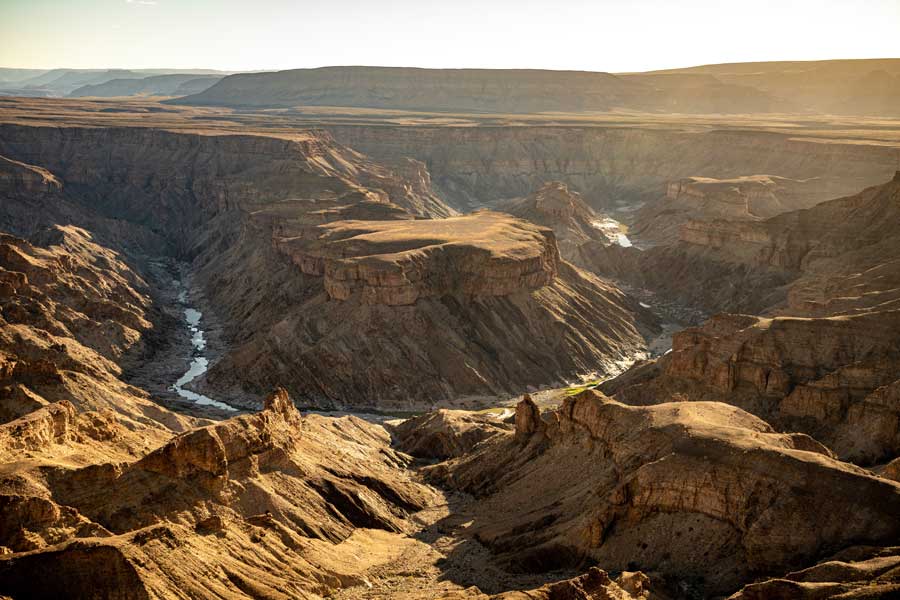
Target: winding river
pixel 199 362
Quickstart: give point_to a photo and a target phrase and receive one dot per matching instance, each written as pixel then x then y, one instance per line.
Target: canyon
pixel 301 335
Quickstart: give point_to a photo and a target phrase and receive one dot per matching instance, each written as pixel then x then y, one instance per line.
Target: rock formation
pixel 304 222
pixel 577 227
pixel 612 167
pixel 71 314
pixel 444 434
pixel 701 490
pixel 398 262
pixel 857 572
pixel 747 198
pixel 834 378
pixel 273 504
pixel 838 257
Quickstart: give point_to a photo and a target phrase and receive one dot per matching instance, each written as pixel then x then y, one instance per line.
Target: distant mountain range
pixel 843 87
pixel 105 82
pixel 859 87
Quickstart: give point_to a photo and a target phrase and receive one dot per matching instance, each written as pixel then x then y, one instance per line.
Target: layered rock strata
pixel 400 261
pixel 834 378
pixel 692 490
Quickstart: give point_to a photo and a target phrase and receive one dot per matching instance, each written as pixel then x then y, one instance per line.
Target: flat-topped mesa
pixel 398 262
pixel 746 197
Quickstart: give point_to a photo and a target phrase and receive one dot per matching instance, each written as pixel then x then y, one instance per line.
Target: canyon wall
pixel 301 244
pixel 612 166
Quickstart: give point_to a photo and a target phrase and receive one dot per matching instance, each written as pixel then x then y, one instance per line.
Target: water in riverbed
pixel 199 363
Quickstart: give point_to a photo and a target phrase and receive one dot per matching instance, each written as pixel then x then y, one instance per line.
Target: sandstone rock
pixel 52 424
pixel 259 502
pixel 454 308
pixel 682 488
pixel 859 572
pixel 703 199
pixel 528 419
pixel 838 257
pixel 444 434
pixel 833 378
pixel 575 224
pixel 398 262
pixel 611 166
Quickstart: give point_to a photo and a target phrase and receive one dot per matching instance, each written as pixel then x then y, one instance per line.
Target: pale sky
pixel 599 35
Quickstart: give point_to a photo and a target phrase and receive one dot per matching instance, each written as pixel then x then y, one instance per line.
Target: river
pixel 199 362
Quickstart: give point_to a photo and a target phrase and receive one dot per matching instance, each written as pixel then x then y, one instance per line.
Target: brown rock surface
pixel 838 257
pixel 746 198
pixel 258 229
pixel 71 313
pixel 857 572
pixel 397 262
pixel 687 489
pixel 596 584
pixel 272 502
pixel 834 378
pixel 613 165
pixel 576 226
pixel 444 434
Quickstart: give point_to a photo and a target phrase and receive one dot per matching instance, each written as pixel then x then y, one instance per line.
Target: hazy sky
pixel 599 35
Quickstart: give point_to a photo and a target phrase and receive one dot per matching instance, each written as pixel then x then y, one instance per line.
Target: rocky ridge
pixel 271 504
pixel 834 378
pixel 700 490
pixel 746 198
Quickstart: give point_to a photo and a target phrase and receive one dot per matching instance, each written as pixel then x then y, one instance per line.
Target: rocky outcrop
pixel 699 489
pixel 596 584
pixel 528 419
pixel 838 257
pixel 18 178
pixel 444 434
pixel 51 424
pixel 443 325
pixel 400 261
pixel 834 378
pixel 746 198
pixel 857 572
pixel 260 502
pixel 578 229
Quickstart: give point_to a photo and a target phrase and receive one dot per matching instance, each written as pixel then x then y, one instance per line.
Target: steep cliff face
pixel 397 262
pixel 396 314
pixel 173 182
pixel 71 312
pixel 682 488
pixel 612 167
pixel 838 257
pixel 833 378
pixel 747 198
